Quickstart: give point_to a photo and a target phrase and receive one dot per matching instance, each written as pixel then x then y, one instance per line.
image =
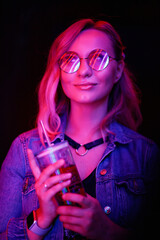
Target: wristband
pixel 33 226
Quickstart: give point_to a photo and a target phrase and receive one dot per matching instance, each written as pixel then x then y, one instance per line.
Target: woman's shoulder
pixel 138 151
pixel 123 133
pixel 28 135
pixel 29 139
pixel 143 147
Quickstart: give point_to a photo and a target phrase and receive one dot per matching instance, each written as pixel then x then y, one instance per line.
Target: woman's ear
pixel 119 70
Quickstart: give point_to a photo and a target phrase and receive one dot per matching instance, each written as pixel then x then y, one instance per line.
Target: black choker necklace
pixel 83 147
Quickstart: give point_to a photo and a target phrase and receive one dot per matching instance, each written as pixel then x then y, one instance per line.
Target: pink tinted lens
pixel 69 62
pixel 98 59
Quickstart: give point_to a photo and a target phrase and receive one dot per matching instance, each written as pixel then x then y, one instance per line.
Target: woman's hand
pixel 46 186
pixel 89 219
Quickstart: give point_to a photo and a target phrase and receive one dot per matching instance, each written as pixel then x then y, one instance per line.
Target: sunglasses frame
pixel 87 58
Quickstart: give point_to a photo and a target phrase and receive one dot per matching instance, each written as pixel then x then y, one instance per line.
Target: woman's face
pixel 88 85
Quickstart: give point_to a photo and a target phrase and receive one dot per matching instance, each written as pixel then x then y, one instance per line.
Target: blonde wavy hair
pixel 123 100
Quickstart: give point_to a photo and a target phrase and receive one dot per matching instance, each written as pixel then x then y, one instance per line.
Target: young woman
pixel 86 94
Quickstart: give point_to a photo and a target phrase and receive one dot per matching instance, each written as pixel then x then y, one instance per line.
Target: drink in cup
pixel 61 151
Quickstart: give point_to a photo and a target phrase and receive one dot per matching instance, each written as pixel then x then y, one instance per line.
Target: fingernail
pixel 69 175
pixel 68 182
pixel 61 161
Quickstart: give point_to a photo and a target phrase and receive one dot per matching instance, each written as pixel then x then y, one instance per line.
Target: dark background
pixel 27 32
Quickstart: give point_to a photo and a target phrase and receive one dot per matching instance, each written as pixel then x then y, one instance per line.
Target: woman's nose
pixel 84 70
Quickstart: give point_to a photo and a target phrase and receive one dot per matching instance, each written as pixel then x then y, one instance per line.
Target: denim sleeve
pixel 152 167
pixel 11 181
pixel 152 175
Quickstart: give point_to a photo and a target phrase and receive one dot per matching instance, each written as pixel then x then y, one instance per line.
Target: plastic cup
pixel 61 151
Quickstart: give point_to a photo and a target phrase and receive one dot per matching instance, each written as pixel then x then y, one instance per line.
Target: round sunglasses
pixel 97 59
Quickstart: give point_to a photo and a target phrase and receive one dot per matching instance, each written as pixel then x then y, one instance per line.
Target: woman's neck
pixel 84 121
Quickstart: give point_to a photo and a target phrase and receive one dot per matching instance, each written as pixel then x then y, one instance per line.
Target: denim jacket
pixel 126 179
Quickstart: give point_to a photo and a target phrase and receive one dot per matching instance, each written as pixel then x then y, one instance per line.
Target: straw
pixel 45 133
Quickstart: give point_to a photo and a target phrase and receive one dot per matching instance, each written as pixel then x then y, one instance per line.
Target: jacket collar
pixel 121 133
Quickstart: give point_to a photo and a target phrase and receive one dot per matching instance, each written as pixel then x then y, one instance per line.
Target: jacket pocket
pixel 133 185
pixel 130 201
pixel 28 184
pixel 29 197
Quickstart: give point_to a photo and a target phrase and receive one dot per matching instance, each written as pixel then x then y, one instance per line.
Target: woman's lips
pixel 85 86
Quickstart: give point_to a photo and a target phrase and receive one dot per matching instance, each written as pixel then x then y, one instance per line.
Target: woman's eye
pixel 73 59
pixel 99 57
pixel 70 59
